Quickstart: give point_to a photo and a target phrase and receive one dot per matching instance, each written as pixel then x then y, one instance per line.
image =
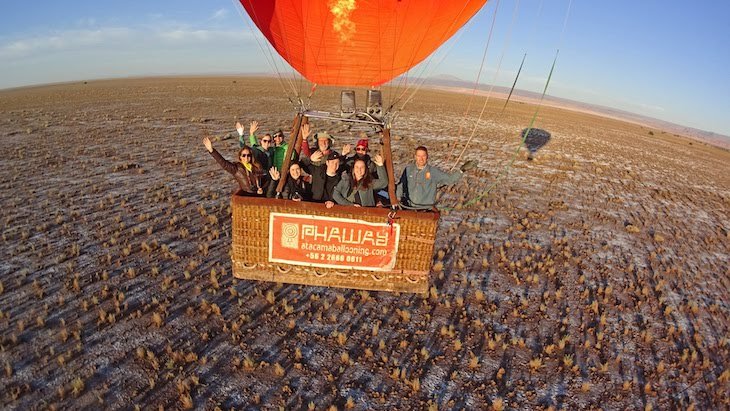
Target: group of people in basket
pixel 321 174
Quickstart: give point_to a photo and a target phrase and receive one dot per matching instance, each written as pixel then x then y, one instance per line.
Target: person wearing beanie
pixel 361 152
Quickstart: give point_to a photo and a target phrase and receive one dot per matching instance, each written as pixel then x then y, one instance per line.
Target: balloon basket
pixel 346 247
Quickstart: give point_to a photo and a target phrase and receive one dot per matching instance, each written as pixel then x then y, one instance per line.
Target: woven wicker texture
pixel 251 240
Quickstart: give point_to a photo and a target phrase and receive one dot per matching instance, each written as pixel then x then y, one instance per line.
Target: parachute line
pixel 491 86
pixel 508 166
pixel 519 70
pixel 479 75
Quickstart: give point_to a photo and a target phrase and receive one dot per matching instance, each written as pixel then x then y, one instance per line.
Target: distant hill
pixel 453 83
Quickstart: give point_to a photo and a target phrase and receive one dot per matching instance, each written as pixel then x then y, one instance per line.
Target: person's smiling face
pixel 295 171
pixel 421 158
pixel 245 156
pixel 266 141
pixel 359 169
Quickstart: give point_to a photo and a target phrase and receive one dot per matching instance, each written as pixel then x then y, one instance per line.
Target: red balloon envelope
pixel 358 42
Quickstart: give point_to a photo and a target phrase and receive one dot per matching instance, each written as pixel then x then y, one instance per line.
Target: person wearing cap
pixel 358 187
pixel 417 186
pixel 361 152
pixel 325 177
pixel 280 148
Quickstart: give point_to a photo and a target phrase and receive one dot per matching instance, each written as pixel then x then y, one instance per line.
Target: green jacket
pixel 278 152
pixel 264 157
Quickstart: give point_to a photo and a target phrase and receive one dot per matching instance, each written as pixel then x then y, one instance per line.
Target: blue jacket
pixel 417 188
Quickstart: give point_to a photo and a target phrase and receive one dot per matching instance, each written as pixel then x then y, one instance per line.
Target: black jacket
pixel 322 185
pixel 291 188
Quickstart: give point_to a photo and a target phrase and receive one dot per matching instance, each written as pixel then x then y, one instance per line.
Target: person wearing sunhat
pixel 325 142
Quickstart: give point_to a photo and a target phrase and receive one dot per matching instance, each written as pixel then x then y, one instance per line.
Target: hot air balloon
pixel 357 43
pixel 348 43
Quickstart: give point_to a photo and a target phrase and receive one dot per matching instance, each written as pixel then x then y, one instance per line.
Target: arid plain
pixel 595 276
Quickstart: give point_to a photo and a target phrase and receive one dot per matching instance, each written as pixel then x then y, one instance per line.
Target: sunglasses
pixel 361 149
pixel 266 141
pixel 245 155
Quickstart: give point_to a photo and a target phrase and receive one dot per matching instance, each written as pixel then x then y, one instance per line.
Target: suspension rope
pixel 507 167
pixel 425 70
pixel 491 87
pixel 424 67
pixel 266 51
pixel 531 37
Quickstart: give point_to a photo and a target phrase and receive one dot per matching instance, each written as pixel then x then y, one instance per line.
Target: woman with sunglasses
pixel 263 149
pixel 247 171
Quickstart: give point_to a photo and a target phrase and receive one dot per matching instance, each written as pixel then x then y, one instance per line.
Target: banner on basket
pixel 331 242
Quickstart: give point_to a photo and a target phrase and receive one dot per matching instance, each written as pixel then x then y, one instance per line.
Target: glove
pixel 468 166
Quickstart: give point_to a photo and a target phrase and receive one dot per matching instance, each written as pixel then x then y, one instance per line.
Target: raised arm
pixel 253 126
pixel 271 191
pixel 306 131
pixel 382 180
pixel 225 164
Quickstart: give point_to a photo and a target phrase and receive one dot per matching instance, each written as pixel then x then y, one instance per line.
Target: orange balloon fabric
pixel 358 42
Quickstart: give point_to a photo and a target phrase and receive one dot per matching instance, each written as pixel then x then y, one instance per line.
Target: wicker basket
pixel 250 254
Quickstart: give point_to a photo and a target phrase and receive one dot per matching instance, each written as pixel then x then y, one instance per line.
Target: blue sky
pixel 664 59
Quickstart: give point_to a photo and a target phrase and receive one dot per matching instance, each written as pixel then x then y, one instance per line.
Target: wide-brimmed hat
pixel 324 135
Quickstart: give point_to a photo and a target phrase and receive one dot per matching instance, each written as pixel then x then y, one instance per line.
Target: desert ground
pixel 593 277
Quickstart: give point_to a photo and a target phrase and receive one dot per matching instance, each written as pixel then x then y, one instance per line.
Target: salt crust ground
pixel 596 276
